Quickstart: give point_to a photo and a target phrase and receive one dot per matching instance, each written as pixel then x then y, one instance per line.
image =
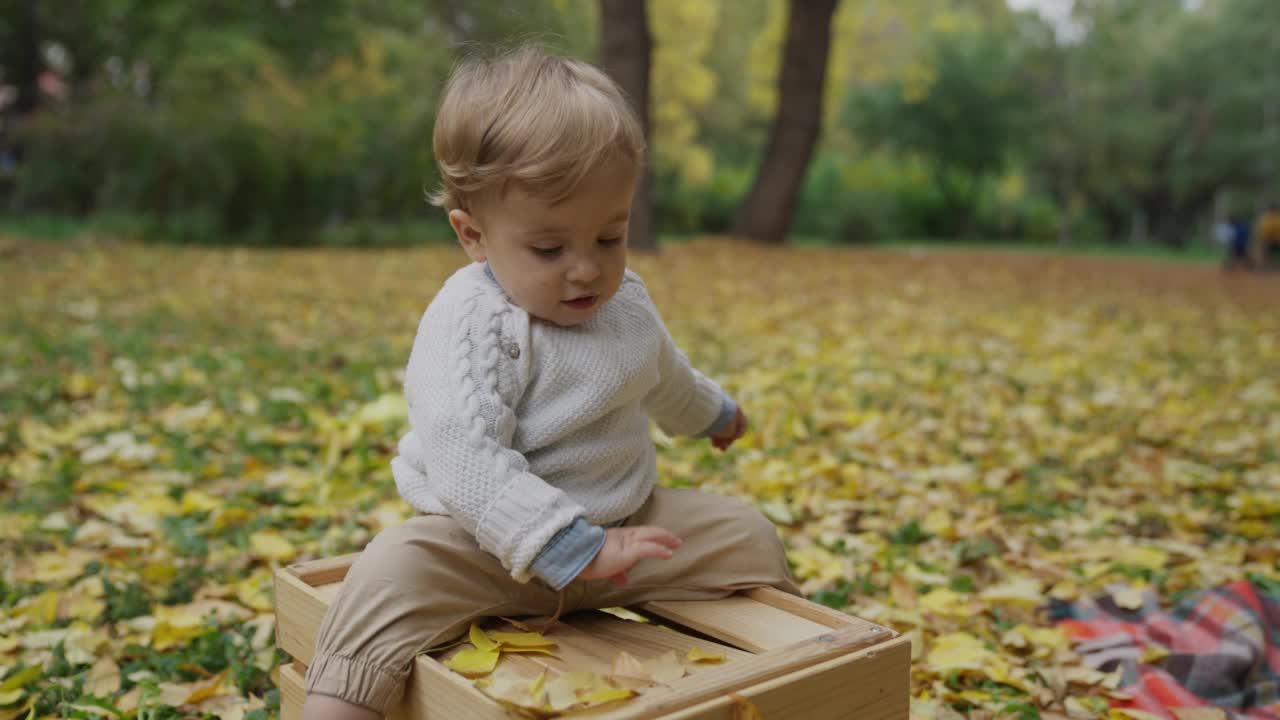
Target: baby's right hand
pixel 624 547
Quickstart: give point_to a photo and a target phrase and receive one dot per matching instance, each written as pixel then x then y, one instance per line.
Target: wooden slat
pixel 325 570
pixel 299 610
pixel 739 621
pixel 292 694
pixel 747 672
pixel 435 692
pixel 800 607
pixel 874 684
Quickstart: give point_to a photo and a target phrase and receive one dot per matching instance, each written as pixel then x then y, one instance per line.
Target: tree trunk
pixel 28 70
pixel 626 45
pixel 766 213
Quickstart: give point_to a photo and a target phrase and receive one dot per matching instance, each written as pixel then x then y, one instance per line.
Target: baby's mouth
pixel 582 302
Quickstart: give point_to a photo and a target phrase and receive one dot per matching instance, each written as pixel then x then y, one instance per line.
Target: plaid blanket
pixel 1223 650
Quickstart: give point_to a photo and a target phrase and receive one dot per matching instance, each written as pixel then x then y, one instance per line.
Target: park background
pixel 215 248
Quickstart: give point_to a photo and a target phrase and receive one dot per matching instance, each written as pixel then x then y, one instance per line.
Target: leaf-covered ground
pixel 945 441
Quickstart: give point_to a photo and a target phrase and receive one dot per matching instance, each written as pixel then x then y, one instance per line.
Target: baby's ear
pixel 469 234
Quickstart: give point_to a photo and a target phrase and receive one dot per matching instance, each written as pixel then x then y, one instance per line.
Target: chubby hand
pixel 732 432
pixel 624 547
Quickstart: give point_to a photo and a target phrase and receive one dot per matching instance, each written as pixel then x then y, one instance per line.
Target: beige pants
pixel 420 584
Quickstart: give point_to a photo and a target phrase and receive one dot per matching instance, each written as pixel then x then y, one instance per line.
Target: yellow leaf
pixel 744 709
pixel 271 545
pixel 15 712
pixel 1199 713
pixel 255 591
pixel 208 688
pixel 1020 590
pixel 1128 598
pixel 958 651
pixel 9 697
pixel 481 640
pixel 944 601
pixel 537 684
pixel 104 678
pixel 697 655
pixel 43 608
pixel 1154 653
pixel 529 639
pixel 92 710
pixel 526 650
pixel 665 669
pixel 626 665
pixel 1131 714
pixel 22 678
pixel 473 662
pixel 606 694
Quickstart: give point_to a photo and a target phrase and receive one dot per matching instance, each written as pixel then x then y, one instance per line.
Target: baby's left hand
pixel 735 430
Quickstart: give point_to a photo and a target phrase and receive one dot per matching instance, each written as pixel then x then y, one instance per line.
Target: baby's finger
pixel 653 533
pixel 650 550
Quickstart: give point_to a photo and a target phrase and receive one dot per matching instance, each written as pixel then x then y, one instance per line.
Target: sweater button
pixel 514 351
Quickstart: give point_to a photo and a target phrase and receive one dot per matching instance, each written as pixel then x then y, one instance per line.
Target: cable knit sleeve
pixel 685 402
pixel 464 427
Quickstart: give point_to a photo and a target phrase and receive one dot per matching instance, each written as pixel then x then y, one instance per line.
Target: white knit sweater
pixel 520 426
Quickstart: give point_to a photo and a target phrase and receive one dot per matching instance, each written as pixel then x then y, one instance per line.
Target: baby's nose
pixel 584 271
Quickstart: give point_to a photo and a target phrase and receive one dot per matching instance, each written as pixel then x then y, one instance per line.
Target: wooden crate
pixel 789 657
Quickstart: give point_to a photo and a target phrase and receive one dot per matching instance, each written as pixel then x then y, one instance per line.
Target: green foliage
pixel 289 123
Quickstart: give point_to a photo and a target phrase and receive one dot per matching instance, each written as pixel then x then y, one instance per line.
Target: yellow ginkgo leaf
pixel 271 545
pixel 481 640
pixel 958 651
pixel 697 655
pixel 665 669
pixel 22 678
pixel 1128 598
pixel 526 650
pixel 1199 713
pixel 536 686
pixel 104 678
pixel 528 639
pixel 1131 714
pixel 606 694
pixel 1154 653
pixel 207 689
pixel 473 663
pixel 8 697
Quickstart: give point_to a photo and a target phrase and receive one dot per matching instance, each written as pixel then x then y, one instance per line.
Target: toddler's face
pixel 560 263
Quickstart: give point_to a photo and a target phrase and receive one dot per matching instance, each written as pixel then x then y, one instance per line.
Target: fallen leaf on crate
pixel 625 614
pixel 744 709
pixel 665 669
pixel 521 640
pixel 481 640
pixel 629 672
pixel 473 662
pixel 697 655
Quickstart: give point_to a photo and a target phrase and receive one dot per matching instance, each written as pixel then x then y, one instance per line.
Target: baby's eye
pixel 610 240
pixel 546 252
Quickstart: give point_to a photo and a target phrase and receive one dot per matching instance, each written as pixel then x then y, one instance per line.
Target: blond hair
pixel 531 120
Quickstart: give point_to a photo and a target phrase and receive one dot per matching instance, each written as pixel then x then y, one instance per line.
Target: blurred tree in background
pixel 276 122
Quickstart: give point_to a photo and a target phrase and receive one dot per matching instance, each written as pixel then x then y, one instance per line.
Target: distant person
pixel 1266 238
pixel 1235 235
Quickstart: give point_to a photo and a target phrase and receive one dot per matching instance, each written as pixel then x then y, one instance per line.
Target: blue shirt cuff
pixel 728 410
pixel 567 553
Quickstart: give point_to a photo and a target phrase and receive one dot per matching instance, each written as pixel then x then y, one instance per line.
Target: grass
pixel 57 228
